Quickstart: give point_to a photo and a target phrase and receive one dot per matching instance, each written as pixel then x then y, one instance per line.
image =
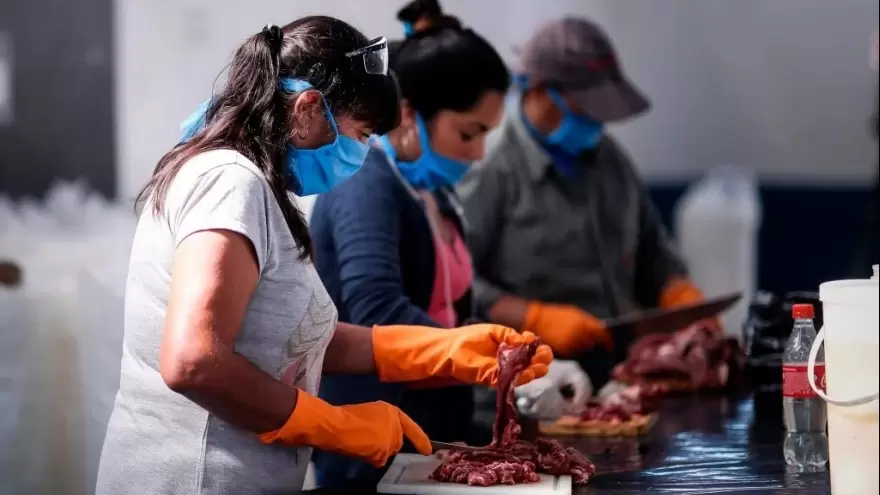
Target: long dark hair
pixel 443 66
pixel 250 113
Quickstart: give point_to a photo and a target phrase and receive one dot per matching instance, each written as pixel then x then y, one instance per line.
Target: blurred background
pixel 762 116
pixel 95 90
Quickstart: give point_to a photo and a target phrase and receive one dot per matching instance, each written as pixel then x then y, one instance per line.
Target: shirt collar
pixel 538 161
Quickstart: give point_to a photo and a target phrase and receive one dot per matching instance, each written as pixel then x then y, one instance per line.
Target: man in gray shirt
pixel 563 233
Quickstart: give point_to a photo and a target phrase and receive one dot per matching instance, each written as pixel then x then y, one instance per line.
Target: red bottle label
pixel 795 383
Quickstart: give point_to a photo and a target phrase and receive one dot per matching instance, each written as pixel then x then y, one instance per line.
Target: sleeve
pixel 482 196
pixel 366 234
pixel 657 257
pixel 224 197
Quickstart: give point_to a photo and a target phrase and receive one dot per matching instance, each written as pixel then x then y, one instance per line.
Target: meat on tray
pixel 696 356
pixel 624 404
pixel 508 460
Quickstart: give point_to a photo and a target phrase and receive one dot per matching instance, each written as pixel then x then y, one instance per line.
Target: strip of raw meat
pixel 512 360
pixel 507 460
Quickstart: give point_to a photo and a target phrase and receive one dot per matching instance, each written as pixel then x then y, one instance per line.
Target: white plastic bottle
pixel 717 223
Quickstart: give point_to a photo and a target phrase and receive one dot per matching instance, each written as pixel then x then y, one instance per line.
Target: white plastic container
pixel 15 391
pixel 54 422
pixel 852 382
pixel 717 223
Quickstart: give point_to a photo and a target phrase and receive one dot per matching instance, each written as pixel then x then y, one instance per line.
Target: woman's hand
pixel 372 432
pixel 469 354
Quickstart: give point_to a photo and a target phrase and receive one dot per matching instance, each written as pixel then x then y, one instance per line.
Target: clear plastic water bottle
pixel 806 444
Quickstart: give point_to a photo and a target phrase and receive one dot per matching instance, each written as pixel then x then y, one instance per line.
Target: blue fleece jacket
pixel 375 254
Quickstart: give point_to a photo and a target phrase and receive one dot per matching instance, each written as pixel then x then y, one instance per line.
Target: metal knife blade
pixel 451 446
pixel 670 320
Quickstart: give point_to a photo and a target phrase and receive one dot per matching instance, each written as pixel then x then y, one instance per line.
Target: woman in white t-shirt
pixel 227 326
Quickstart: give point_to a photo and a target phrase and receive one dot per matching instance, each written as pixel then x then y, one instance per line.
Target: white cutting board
pixel 409 475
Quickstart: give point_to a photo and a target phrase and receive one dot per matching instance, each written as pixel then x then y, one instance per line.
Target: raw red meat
pixel 484 468
pixel 517 463
pixel 508 460
pixel 696 355
pixel 511 361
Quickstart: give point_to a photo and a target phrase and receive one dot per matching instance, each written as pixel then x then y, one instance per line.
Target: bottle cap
pixel 802 311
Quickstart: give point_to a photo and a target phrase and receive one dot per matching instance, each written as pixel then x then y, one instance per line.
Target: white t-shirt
pixel 160 442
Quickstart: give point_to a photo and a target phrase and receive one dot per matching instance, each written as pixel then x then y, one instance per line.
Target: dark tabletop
pixel 699 445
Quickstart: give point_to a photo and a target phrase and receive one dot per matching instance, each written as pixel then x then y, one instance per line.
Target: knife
pixel 452 446
pixel 670 320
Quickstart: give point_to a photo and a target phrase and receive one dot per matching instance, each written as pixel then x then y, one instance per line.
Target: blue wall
pixel 808 235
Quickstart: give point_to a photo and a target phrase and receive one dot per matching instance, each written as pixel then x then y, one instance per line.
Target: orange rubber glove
pixel 372 432
pixel 682 292
pixel 567 329
pixel 469 354
pixel 679 292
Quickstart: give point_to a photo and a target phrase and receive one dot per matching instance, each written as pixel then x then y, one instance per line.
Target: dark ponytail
pixel 250 113
pixel 418 9
pixel 274 37
pixel 441 65
pixel 426 14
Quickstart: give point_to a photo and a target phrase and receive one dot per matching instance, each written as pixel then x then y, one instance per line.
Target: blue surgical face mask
pixel 431 170
pixel 408 29
pixel 321 169
pixel 313 171
pixel 575 133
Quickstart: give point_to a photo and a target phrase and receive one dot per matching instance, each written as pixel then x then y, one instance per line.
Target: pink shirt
pixel 452 261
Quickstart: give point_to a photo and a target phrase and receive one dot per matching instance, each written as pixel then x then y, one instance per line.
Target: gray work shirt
pixel 530 226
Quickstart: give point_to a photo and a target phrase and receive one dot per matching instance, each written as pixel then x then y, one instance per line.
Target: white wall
pixel 780 85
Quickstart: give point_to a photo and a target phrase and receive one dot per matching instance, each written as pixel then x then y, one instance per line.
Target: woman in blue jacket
pixel 389 242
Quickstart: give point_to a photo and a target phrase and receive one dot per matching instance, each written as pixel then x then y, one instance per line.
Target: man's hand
pixel 566 329
pixel 682 292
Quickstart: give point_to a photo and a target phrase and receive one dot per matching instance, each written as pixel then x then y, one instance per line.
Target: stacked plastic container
pixel 60 336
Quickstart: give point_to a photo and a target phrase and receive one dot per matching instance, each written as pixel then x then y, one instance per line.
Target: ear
pixel 538 88
pixel 537 95
pixel 306 108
